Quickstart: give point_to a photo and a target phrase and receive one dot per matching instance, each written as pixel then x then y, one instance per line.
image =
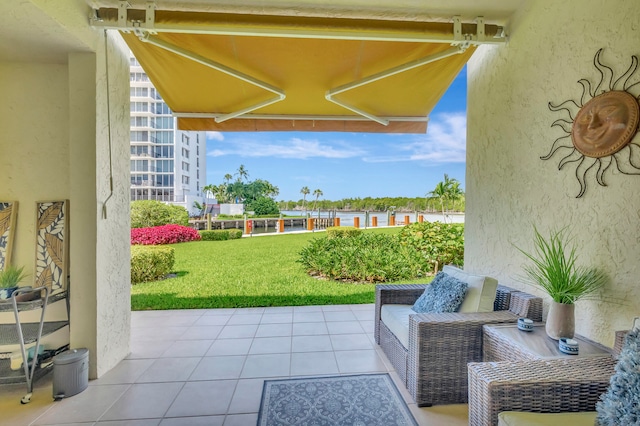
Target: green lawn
pixel 249 272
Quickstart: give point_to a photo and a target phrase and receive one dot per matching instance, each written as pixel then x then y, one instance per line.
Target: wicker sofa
pixel 433 365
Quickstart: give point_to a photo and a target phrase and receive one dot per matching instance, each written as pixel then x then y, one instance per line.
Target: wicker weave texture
pixel 537 386
pixel 526 305
pixel 441 344
pixel 404 294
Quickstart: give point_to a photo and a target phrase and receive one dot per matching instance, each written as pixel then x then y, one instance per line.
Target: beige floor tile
pixel 340 316
pixel 271 345
pixel 441 415
pixel 274 330
pixel 194 421
pixel 213 320
pixel 187 348
pixel 146 334
pixel 86 406
pixel 247 396
pixel 143 401
pixel 312 308
pixel 311 343
pixel 308 316
pixel 269 365
pixel 238 331
pixel 362 361
pixel 143 422
pixel 310 329
pixel 201 332
pixel 348 342
pixel 230 347
pixel 203 399
pixel 244 319
pixel 277 318
pixel 148 349
pixel 241 419
pixel 313 363
pixel 13 413
pixel 278 310
pixel 220 311
pixel 346 327
pixel 218 367
pixel 169 370
pixel 126 372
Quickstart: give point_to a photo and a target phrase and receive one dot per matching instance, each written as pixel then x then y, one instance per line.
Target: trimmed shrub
pixel 221 234
pixel 367 258
pixel 342 231
pixel 148 213
pixel 439 243
pixel 264 206
pixel 167 234
pixel 234 234
pixel 149 263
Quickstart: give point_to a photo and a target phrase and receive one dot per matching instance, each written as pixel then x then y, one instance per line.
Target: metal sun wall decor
pixel 52 242
pixel 8 217
pixel 603 124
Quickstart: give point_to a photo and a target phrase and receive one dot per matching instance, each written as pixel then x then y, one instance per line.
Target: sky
pixel 350 165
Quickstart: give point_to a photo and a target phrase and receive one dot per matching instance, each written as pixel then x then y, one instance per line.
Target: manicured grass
pixel 249 272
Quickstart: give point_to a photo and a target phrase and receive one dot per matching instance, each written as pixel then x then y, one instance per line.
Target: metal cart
pixel 35 363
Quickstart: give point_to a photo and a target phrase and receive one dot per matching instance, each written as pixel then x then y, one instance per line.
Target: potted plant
pixel 10 279
pixel 553 268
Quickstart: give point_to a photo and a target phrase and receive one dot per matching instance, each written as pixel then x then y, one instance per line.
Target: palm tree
pixel 317 193
pixel 242 173
pixel 209 190
pixel 227 178
pixel 304 191
pixel 447 190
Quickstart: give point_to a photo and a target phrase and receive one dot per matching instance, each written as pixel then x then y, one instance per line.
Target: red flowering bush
pixel 166 234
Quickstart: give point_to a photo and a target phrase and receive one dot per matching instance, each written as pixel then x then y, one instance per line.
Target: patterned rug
pixel 362 400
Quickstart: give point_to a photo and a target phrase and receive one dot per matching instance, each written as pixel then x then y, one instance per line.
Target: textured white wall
pixel 509 189
pixel 113 233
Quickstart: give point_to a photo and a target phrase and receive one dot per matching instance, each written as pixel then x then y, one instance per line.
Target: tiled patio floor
pixel 207 367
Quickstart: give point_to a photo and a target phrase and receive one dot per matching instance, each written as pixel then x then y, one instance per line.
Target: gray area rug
pixel 361 400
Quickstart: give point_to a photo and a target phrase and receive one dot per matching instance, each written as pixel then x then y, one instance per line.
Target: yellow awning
pixel 257 73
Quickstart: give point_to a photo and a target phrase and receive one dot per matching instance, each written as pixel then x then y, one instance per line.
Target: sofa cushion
pixel 481 291
pixel 396 318
pixel 514 418
pixel 444 294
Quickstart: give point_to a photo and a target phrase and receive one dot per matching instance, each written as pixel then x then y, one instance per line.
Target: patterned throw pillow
pixel 620 405
pixel 444 294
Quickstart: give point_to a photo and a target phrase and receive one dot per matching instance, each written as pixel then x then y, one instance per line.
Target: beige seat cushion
pixel 481 292
pixel 514 418
pixel 396 318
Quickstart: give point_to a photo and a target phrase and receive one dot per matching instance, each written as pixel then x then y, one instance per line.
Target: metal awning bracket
pixel 280 94
pixel 480 33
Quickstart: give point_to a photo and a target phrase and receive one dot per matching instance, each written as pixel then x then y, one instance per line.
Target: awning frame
pixel 146 29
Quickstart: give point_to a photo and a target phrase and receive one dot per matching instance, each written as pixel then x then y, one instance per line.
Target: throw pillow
pixel 481 292
pixel 444 294
pixel 620 405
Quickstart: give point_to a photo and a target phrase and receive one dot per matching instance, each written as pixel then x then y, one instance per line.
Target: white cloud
pixel 445 142
pixel 215 136
pixel 293 148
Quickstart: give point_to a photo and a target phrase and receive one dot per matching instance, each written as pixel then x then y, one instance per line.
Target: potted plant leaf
pixel 553 268
pixel 10 279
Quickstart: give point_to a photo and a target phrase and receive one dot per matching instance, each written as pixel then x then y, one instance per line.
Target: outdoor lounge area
pixel 64 118
pixel 207 367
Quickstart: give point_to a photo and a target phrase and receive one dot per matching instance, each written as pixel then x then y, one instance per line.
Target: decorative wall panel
pixel 8 216
pixel 52 245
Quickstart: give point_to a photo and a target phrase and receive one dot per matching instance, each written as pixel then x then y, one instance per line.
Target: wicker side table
pixel 543 386
pixel 504 342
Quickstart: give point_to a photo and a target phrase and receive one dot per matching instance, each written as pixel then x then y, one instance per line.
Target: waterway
pixel 346 219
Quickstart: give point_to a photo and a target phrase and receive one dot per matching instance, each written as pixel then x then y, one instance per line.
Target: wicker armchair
pixel 541 386
pixel 434 366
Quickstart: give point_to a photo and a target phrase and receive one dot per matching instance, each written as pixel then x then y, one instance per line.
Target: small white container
pixel 568 346
pixel 525 324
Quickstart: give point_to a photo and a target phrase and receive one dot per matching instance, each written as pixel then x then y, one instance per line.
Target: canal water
pixel 346 219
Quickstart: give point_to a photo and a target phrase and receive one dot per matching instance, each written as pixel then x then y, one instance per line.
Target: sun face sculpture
pixel 603 126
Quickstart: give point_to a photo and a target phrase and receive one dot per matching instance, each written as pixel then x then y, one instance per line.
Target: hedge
pixel 221 234
pixel 150 263
pixel 167 234
pixel 342 231
pixel 148 213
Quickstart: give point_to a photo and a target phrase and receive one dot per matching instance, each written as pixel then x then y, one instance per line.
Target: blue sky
pixel 350 165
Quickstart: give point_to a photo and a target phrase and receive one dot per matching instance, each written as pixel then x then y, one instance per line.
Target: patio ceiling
pixel 329 67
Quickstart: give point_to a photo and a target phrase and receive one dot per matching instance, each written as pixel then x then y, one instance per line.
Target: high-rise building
pixel 167 164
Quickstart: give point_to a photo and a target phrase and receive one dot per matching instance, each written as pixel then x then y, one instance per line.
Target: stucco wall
pixel 509 189
pixel 55 145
